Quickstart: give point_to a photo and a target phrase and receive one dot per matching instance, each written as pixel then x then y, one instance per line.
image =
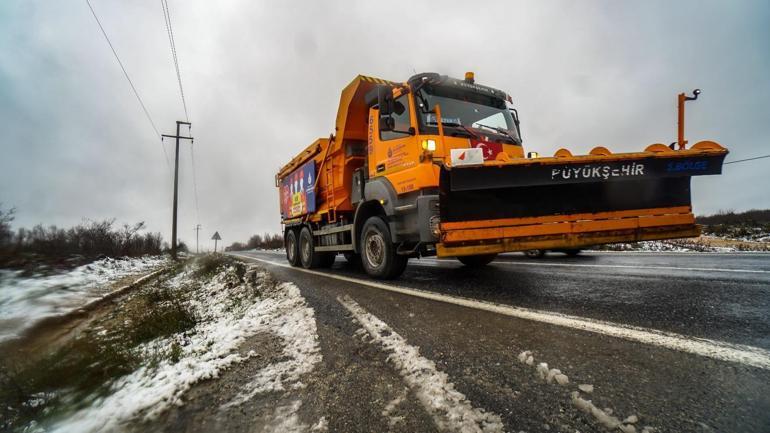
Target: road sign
pixel 216 238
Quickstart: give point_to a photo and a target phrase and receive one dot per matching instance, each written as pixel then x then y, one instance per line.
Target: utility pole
pixel 197 230
pixel 176 181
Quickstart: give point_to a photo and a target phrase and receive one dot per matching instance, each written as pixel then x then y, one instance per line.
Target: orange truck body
pixel 450 189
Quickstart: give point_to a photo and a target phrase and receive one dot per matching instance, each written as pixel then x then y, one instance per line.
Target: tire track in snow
pixel 449 408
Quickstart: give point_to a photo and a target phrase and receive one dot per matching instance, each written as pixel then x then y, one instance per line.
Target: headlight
pixel 429 145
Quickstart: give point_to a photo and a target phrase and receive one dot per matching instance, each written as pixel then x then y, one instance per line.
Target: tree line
pixel 89 238
pixel 752 217
pixel 266 241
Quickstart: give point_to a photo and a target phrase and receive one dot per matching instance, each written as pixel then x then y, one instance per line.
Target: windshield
pixel 466 113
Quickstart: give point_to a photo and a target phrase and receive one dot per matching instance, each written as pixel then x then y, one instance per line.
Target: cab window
pixel 401 119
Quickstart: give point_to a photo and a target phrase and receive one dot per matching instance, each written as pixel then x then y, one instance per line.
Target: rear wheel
pixel 308 256
pixel 378 254
pixel 534 254
pixel 292 251
pixel 572 253
pixel 477 261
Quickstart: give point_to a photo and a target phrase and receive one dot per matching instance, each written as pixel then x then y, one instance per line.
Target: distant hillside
pixel 753 225
pixel 751 217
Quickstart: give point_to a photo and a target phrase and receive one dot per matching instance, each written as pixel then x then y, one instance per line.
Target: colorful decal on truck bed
pixel 297 194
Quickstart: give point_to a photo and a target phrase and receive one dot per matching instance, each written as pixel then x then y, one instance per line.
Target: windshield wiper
pixel 458 125
pixel 500 130
pixel 466 129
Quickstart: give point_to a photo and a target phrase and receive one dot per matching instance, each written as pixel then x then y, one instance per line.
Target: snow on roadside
pixel 24 300
pixel 294 322
pixel 209 348
pixel 449 408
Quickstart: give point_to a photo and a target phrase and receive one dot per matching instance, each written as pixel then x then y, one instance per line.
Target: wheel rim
pixel 375 249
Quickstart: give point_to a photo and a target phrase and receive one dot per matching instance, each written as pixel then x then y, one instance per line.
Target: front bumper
pixel 564 232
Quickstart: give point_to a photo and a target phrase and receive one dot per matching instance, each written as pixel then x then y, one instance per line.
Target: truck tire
pixel 378 254
pixel 307 255
pixel 477 261
pixel 572 252
pixel 292 251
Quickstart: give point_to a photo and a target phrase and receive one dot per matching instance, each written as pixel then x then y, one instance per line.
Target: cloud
pixel 263 81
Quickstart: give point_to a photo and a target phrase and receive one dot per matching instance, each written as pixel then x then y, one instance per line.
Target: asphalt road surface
pixel 663 342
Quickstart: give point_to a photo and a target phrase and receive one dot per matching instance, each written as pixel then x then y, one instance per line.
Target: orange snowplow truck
pixel 435 166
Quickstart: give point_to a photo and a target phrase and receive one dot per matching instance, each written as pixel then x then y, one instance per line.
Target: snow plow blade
pixel 569 202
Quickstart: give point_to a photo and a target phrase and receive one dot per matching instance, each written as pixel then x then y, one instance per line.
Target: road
pixel 679 341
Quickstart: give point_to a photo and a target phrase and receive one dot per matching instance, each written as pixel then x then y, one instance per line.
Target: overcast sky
pixel 262 80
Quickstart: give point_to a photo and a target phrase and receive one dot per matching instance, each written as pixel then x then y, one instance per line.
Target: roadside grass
pixel 111 346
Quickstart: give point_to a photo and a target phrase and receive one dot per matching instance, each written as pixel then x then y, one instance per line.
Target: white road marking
pixel 423 262
pixel 719 350
pixel 449 408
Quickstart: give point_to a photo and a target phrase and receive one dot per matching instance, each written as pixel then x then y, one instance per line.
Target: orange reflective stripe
pixel 566 227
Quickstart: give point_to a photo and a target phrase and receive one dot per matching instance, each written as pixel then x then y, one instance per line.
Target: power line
pixel 747 159
pixel 172 43
pixel 139 98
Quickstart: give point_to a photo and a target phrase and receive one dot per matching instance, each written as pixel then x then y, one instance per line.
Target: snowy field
pixel 230 306
pixel 25 300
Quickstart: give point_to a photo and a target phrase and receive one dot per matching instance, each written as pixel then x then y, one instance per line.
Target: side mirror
pixel 385 100
pixel 515 115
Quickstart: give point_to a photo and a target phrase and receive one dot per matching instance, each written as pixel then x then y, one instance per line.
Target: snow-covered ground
pixel 24 300
pixel 229 311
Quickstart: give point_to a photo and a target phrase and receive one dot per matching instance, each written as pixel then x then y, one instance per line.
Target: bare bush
pixel 6 218
pixel 89 239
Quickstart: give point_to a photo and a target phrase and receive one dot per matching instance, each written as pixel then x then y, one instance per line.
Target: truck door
pixel 397 150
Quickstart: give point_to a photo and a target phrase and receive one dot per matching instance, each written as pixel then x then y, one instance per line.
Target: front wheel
pixel 477 261
pixel 378 254
pixel 572 253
